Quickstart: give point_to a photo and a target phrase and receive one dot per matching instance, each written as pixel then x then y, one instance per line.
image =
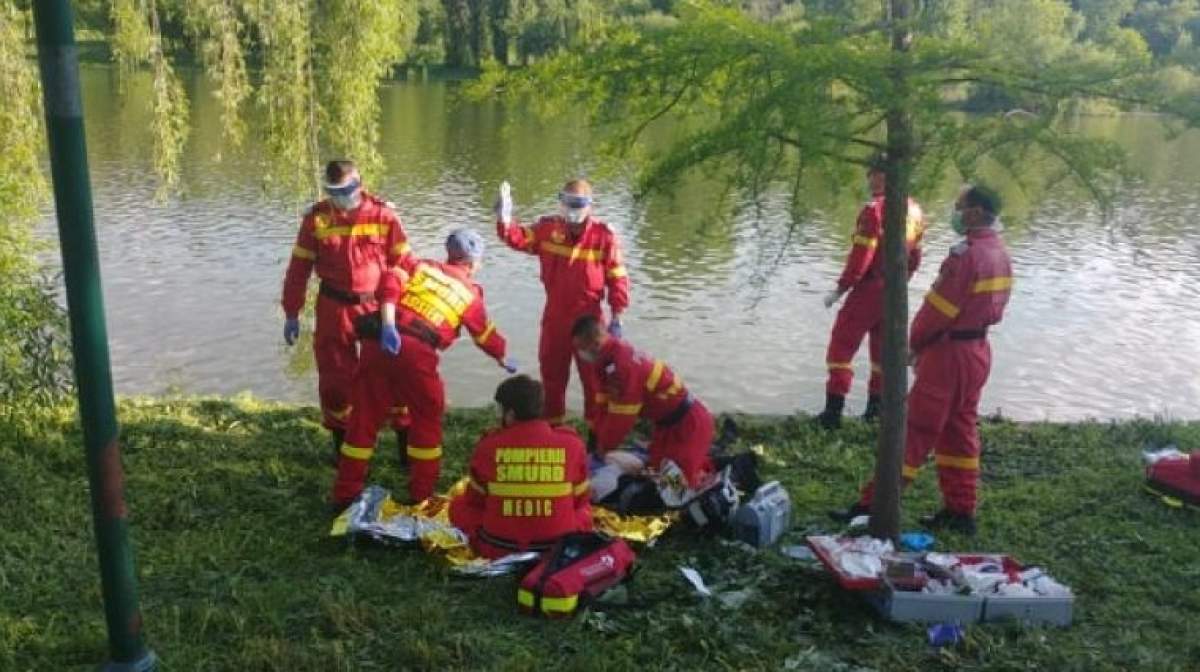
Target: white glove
pixel 504 206
pixel 832 297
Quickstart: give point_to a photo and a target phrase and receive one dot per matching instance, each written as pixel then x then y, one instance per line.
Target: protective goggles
pixel 344 190
pixel 574 201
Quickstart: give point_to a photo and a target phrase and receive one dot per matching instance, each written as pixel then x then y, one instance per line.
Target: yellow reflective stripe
pixel 956 462
pixel 476 486
pixel 529 489
pixel 401 249
pixel 909 472
pixel 453 284
pixel 944 306
pixel 997 284
pixel 624 409
pixel 303 253
pixel 616 272
pixel 560 604
pixel 524 598
pixel 914 228
pixel 581 488
pixel 573 253
pixel 339 415
pixel 357 452
pixel 655 375
pixel 482 337
pixel 866 241
pixel 834 366
pixel 322 233
pixel 433 453
pixel 414 299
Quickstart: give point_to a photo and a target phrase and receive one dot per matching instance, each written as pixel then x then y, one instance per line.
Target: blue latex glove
pixel 916 541
pixel 614 328
pixel 291 331
pixel 389 339
pixel 509 364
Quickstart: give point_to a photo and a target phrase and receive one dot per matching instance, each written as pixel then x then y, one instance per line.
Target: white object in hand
pixel 504 205
pixel 832 297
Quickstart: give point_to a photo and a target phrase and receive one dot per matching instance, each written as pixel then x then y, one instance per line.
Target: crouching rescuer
pixel 420 317
pixel 528 480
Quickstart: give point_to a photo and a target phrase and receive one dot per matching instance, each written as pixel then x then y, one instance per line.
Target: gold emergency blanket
pixel 375 514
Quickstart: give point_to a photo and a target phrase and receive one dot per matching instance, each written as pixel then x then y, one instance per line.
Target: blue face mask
pixel 344 197
pixel 957 223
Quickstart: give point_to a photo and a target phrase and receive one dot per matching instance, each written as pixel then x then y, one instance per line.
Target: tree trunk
pixel 885 510
pixel 498 17
pixel 458 33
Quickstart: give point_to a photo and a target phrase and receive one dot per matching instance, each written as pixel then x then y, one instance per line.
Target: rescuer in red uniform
pixel 528 480
pixel 420 317
pixel 862 314
pixel 351 239
pixel 952 357
pixel 580 262
pixel 634 385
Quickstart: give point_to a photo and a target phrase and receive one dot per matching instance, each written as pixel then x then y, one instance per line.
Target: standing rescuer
pixel 426 311
pixel 352 239
pixel 952 357
pixel 528 480
pixel 637 385
pixel 580 262
pixel 862 314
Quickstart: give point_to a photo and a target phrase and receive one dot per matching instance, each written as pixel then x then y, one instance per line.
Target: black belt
pixel 536 546
pixel 342 296
pixel 969 335
pixel 421 333
pixel 676 415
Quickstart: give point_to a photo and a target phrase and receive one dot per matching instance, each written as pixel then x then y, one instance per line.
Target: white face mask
pixel 575 215
pixel 345 203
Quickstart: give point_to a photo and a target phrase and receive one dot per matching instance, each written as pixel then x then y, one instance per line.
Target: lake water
pixel 1104 319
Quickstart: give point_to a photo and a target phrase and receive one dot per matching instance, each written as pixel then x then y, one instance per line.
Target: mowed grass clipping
pixel 237 571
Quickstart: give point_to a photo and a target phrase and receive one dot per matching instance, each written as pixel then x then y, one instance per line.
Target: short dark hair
pixel 522 395
pixel 338 169
pixel 984 198
pixel 587 325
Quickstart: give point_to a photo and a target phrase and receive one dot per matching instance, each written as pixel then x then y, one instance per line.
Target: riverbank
pixel 237 572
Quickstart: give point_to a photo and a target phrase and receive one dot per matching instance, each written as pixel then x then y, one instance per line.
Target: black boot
pixel 955 522
pixel 402 446
pixel 850 513
pixel 336 437
pixel 873 408
pixel 727 437
pixel 831 417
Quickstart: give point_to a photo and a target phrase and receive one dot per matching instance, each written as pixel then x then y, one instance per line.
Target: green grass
pixel 237 573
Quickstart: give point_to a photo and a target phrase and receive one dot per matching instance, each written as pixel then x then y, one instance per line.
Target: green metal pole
pixel 59 63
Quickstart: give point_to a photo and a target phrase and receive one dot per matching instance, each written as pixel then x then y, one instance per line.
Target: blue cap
pixel 464 244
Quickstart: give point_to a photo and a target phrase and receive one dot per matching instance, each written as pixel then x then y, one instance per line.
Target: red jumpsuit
pixel 575 272
pixel 953 359
pixel 438 300
pixel 862 313
pixel 635 384
pixel 350 252
pixel 528 487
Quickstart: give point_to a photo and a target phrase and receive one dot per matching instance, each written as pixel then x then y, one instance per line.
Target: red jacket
pixel 439 299
pixel 970 293
pixel 863 264
pixel 350 251
pixel 575 272
pixel 634 385
pixel 530 483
